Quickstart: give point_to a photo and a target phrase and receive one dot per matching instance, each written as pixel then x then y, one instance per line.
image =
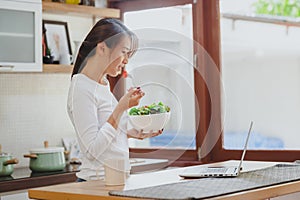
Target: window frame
pixel 219 153
pixel 206 31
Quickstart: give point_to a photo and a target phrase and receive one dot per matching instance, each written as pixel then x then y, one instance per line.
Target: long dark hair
pixel 107 30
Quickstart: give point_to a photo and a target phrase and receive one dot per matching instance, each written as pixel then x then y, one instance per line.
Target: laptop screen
pixel 245 147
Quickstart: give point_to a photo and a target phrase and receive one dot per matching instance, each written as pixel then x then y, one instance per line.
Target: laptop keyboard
pixel 213 170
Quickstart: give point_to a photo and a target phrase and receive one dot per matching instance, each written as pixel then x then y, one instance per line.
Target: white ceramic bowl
pixel 147 123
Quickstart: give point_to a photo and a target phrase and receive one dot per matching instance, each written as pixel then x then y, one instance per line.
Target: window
pixel 267 89
pixel 261 78
pixel 260 69
pixel 163 68
pixel 205 26
pixel 271 101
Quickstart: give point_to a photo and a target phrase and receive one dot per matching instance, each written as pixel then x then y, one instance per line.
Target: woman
pixel 99 120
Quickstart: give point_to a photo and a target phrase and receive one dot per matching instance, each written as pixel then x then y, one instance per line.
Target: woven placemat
pixel 211 187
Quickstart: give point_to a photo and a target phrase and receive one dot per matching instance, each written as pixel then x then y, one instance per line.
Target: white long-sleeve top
pixel 89 106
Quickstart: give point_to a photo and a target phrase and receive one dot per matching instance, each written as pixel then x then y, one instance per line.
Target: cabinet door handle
pixel 6 67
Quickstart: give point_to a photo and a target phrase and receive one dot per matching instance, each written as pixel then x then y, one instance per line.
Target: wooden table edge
pixel 40 194
pixel 264 192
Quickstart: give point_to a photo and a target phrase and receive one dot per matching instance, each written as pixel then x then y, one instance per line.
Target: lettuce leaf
pixel 150 109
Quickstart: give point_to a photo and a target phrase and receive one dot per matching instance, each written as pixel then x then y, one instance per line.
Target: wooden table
pixel 95 190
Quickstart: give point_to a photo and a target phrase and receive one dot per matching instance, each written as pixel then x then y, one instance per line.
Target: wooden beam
pixel 80 10
pixel 134 5
pixel 206 20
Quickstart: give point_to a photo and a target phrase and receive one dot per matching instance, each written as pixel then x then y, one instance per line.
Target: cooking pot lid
pixel 2 154
pixel 47 150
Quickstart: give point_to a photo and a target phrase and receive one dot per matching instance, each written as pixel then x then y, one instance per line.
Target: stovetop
pixel 137 165
pixel 25 172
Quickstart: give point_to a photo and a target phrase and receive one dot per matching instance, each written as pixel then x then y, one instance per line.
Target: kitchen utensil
pixel 6 163
pixel 132 80
pixel 130 76
pixel 72 146
pixel 46 159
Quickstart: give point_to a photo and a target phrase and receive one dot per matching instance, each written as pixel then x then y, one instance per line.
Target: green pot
pixel 7 164
pixel 47 159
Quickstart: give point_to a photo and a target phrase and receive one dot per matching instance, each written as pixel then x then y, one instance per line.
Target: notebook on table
pixel 226 171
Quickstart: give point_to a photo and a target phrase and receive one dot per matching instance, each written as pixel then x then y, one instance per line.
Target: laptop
pixel 227 171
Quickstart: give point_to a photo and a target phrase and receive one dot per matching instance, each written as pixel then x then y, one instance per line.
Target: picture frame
pixel 57 40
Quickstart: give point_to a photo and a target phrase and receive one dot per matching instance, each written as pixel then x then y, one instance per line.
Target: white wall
pixel 33 109
pixel 237 6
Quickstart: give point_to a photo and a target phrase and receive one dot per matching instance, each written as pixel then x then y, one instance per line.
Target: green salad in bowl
pixel 149 118
pixel 150 109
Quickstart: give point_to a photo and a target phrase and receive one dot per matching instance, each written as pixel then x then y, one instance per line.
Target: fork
pixel 127 75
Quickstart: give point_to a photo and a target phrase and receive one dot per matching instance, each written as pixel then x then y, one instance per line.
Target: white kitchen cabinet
pixel 20 35
pixel 21 32
pixel 15 196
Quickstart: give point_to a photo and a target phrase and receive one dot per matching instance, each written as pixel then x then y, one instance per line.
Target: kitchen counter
pixel 23 178
pixel 96 190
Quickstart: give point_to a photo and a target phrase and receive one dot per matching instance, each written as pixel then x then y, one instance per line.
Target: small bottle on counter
pixel 88 2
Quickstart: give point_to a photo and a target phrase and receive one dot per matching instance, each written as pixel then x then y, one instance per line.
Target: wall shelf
pixel 55 68
pixel 47 68
pixel 271 19
pixel 79 10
